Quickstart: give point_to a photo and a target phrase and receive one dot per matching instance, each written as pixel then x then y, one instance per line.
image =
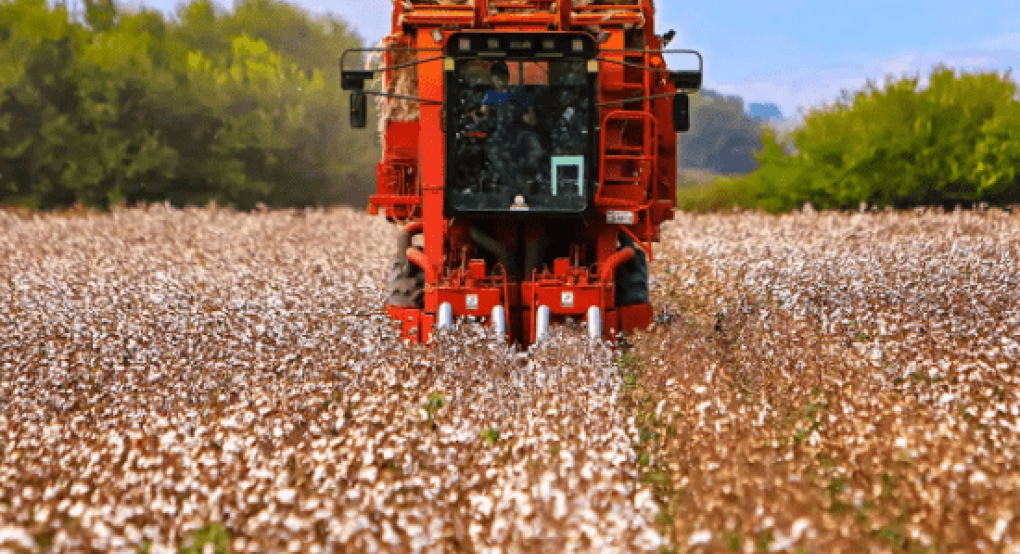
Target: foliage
pixel 129 106
pixel 722 193
pixel 433 403
pixel 213 535
pixel 489 436
pixel 957 141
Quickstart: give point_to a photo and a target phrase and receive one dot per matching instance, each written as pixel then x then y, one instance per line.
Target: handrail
pixel 441 7
pixel 597 7
pixel 651 142
pixel 623 114
pixel 523 4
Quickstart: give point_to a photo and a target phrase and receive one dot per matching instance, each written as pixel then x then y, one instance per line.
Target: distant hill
pixel 764 111
pixel 725 134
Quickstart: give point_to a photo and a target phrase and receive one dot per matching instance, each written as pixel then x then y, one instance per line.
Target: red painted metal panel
pixel 486 298
pixel 637 316
pixel 431 161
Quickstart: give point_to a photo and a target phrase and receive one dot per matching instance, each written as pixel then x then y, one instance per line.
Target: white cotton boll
pixel 389 536
pixel 645 503
pixel 699 537
pixel 500 528
pixel 286 496
pixel 481 505
pixel 295 524
pixel 797 530
pixel 649 540
pixel 559 505
pixel 999 530
pixel 545 486
pixel 232 446
pixel 16 536
pixel 76 510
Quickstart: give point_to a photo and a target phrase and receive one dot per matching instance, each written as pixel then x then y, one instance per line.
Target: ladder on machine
pixel 629 145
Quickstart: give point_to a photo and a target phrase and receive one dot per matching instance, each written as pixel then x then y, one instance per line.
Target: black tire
pixel 407 281
pixel 632 277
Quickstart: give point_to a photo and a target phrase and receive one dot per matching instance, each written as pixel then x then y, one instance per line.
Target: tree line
pixel 117 105
pixel 954 142
pixel 242 107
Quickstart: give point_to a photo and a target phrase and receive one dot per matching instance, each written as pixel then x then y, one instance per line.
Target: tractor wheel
pixel 632 277
pixel 407 281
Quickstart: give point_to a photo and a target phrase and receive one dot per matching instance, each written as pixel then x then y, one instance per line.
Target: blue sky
pixel 801 53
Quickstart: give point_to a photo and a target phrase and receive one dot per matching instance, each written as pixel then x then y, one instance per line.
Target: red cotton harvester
pixel 530 151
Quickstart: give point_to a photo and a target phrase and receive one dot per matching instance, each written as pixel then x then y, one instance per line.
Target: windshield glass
pixel 520 136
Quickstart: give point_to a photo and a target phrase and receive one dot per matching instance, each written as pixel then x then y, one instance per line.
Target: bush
pixel 722 193
pixel 128 107
pixel 958 141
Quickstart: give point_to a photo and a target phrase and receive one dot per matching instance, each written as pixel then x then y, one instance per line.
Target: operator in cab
pixel 513 148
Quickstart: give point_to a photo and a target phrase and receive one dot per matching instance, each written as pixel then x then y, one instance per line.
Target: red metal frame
pixel 410 185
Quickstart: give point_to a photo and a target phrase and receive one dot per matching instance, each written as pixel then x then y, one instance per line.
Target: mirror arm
pixel 638 99
pixel 404 97
pixel 354 79
pixel 679 78
pixel 635 65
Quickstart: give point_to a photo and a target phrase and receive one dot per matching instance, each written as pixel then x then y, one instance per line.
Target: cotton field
pixel 836 382
pixel 172 375
pixel 828 382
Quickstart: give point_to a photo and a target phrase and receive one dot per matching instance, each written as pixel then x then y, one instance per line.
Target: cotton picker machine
pixel 530 151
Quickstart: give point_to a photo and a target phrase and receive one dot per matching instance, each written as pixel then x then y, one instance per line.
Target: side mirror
pixel 359 109
pixel 686 80
pixel 681 113
pixel 354 79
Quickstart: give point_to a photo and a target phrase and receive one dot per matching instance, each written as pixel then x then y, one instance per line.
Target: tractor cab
pixel 520 123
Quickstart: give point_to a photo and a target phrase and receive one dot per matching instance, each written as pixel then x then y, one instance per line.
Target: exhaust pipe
pixel 594 323
pixel 541 322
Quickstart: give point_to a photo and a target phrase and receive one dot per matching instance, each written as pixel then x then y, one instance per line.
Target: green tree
pixel 37 98
pixel 100 15
pixel 336 162
pixel 326 161
pixel 129 107
pixel 957 141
